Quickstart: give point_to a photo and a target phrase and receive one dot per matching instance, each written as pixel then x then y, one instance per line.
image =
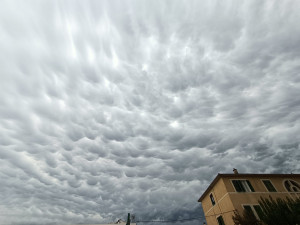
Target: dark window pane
pixel 295 184
pixel 295 189
pixel 212 199
pixel 248 209
pixel 250 186
pixel 238 186
pixel 287 185
pixel 292 186
pixel 269 186
pixel 258 211
pixel 220 220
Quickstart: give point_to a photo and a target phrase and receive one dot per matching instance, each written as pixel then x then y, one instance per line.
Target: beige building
pixel 230 192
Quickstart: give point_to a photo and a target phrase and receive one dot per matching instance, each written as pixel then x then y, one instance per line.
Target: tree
pixel 246 219
pixel 280 211
pixel 271 212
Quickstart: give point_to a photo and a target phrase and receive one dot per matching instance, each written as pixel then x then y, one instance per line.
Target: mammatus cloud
pixel 115 107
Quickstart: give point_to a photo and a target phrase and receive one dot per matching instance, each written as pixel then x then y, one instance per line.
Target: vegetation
pixel 271 212
pixel 246 219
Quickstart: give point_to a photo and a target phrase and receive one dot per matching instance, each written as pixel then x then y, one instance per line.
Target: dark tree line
pixel 271 212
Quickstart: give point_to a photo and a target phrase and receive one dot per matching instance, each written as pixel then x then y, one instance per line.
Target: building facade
pixel 235 192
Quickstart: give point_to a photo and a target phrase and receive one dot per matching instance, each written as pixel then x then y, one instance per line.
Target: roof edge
pixel 241 175
pixel 209 187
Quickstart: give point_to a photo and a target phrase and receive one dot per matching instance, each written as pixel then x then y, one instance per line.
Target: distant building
pixel 235 192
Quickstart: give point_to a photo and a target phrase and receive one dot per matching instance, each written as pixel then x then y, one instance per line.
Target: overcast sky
pixel 110 107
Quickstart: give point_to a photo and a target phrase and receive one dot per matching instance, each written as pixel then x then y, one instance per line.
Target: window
pixel 212 199
pixel 220 220
pixel 242 186
pixel 248 209
pixel 258 211
pixel 269 185
pixel 292 186
pixel 254 210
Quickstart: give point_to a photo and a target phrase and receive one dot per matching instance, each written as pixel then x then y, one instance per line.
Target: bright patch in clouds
pixel 174 124
pixel 115 59
pixel 145 67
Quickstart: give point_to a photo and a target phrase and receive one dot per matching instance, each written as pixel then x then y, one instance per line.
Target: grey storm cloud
pixel 110 107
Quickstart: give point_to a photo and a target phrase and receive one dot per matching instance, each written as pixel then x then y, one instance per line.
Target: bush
pixel 280 211
pixel 246 219
pixel 273 212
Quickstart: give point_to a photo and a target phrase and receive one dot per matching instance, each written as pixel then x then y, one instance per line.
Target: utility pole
pixel 128 219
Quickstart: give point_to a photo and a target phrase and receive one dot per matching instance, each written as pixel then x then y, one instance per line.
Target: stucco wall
pixel 227 199
pixel 223 204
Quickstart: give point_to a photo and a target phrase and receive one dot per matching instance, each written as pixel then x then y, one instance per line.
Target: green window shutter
pixel 250 186
pixel 238 186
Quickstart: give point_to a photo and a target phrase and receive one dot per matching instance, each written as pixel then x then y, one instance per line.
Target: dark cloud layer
pixel 109 107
